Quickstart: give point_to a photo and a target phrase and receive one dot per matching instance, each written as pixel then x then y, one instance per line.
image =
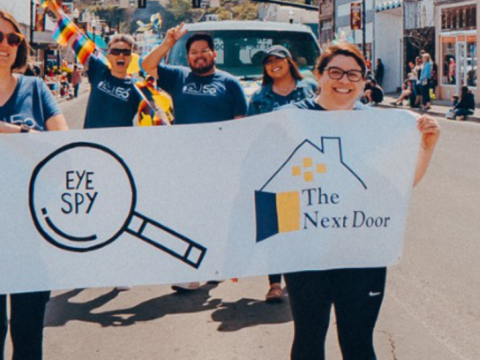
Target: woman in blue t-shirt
pixel 26 105
pixel 282 84
pixel 356 294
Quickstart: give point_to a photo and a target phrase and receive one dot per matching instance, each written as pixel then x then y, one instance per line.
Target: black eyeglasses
pixel 337 73
pixel 13 39
pixel 118 52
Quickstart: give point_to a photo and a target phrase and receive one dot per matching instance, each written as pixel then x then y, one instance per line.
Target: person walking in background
pixel 463 106
pixel 425 77
pixel 201 93
pixel 379 72
pixel 356 294
pixel 26 105
pixel 76 80
pixel 282 84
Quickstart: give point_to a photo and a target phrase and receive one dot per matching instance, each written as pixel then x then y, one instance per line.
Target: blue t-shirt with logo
pixel 113 102
pixel 200 99
pixel 31 104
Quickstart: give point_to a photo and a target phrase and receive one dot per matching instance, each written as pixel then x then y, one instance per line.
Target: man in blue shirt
pixel 200 93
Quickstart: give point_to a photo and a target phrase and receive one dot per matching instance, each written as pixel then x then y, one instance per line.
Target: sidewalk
pixel 439 107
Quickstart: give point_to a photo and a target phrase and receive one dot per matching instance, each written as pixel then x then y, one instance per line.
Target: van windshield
pixel 240 52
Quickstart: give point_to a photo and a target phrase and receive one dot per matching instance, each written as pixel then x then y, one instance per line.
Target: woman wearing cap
pixel 282 84
pixel 26 105
pixel 357 294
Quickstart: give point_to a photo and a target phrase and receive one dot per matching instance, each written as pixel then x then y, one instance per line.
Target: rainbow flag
pixel 83 48
pixel 65 30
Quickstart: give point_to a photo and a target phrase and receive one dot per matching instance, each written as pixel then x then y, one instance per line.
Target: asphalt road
pixel 431 309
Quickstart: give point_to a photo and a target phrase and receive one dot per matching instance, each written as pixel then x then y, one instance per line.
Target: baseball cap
pixel 278 51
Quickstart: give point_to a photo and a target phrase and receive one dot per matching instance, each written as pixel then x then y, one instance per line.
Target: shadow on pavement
pixel 245 313
pixel 232 316
pixel 60 310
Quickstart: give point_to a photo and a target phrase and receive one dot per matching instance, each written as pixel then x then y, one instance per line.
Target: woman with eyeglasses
pixel 113 100
pixel 26 105
pixel 356 294
pixel 282 84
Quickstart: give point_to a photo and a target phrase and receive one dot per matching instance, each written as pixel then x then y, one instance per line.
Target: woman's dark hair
pixel 463 91
pixel 344 49
pixel 200 37
pixel 267 79
pixel 21 59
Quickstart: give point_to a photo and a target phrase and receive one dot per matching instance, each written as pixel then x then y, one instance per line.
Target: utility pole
pixel 32 21
pixel 364 30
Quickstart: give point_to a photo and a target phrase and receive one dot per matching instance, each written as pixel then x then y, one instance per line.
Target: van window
pixel 241 52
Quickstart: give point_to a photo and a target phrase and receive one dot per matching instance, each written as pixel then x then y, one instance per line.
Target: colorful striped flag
pixel 65 30
pixel 83 48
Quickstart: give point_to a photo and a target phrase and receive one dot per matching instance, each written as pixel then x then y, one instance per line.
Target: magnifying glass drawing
pixel 82 197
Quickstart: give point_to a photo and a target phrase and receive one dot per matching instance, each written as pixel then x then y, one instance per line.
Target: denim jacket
pixel 263 100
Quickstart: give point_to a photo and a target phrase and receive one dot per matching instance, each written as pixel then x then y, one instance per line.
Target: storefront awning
pixel 389 5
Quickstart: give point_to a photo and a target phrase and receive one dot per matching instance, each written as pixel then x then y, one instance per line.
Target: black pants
pixel 425 94
pixel 357 295
pixel 26 324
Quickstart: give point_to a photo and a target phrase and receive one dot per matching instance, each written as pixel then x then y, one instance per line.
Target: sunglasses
pixel 13 39
pixel 118 52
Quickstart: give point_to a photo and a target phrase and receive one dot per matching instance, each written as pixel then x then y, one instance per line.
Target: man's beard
pixel 202 70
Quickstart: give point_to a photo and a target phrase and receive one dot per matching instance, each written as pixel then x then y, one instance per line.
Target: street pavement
pixel 430 312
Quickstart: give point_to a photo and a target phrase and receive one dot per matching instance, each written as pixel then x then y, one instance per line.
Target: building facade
pixel 326 21
pixel 457 37
pixel 342 25
pixel 389 41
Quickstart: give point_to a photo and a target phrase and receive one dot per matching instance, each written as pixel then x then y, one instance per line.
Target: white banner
pixel 286 191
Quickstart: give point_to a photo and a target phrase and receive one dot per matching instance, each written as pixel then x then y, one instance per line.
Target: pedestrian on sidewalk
pixel 201 93
pixel 417 88
pixel 356 294
pixel 463 106
pixel 26 105
pixel 282 84
pixel 425 81
pixel 379 72
pixel 373 93
pixel 407 94
pixel 76 80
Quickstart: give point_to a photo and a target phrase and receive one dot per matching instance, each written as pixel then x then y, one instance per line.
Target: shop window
pixel 449 61
pixel 459 18
pixel 472 62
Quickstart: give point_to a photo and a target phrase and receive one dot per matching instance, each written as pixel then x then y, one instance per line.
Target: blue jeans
pixel 26 324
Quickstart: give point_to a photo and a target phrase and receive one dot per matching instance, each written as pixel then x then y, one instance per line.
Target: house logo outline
pixel 266 203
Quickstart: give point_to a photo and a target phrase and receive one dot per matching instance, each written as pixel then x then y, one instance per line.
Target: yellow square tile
pixel 308 176
pixel 307 162
pixel 296 171
pixel 321 168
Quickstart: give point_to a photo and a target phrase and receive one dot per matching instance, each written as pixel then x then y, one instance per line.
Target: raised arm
pixel 430 130
pixel 151 61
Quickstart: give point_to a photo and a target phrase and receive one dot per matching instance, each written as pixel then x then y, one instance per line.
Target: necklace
pixel 283 90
